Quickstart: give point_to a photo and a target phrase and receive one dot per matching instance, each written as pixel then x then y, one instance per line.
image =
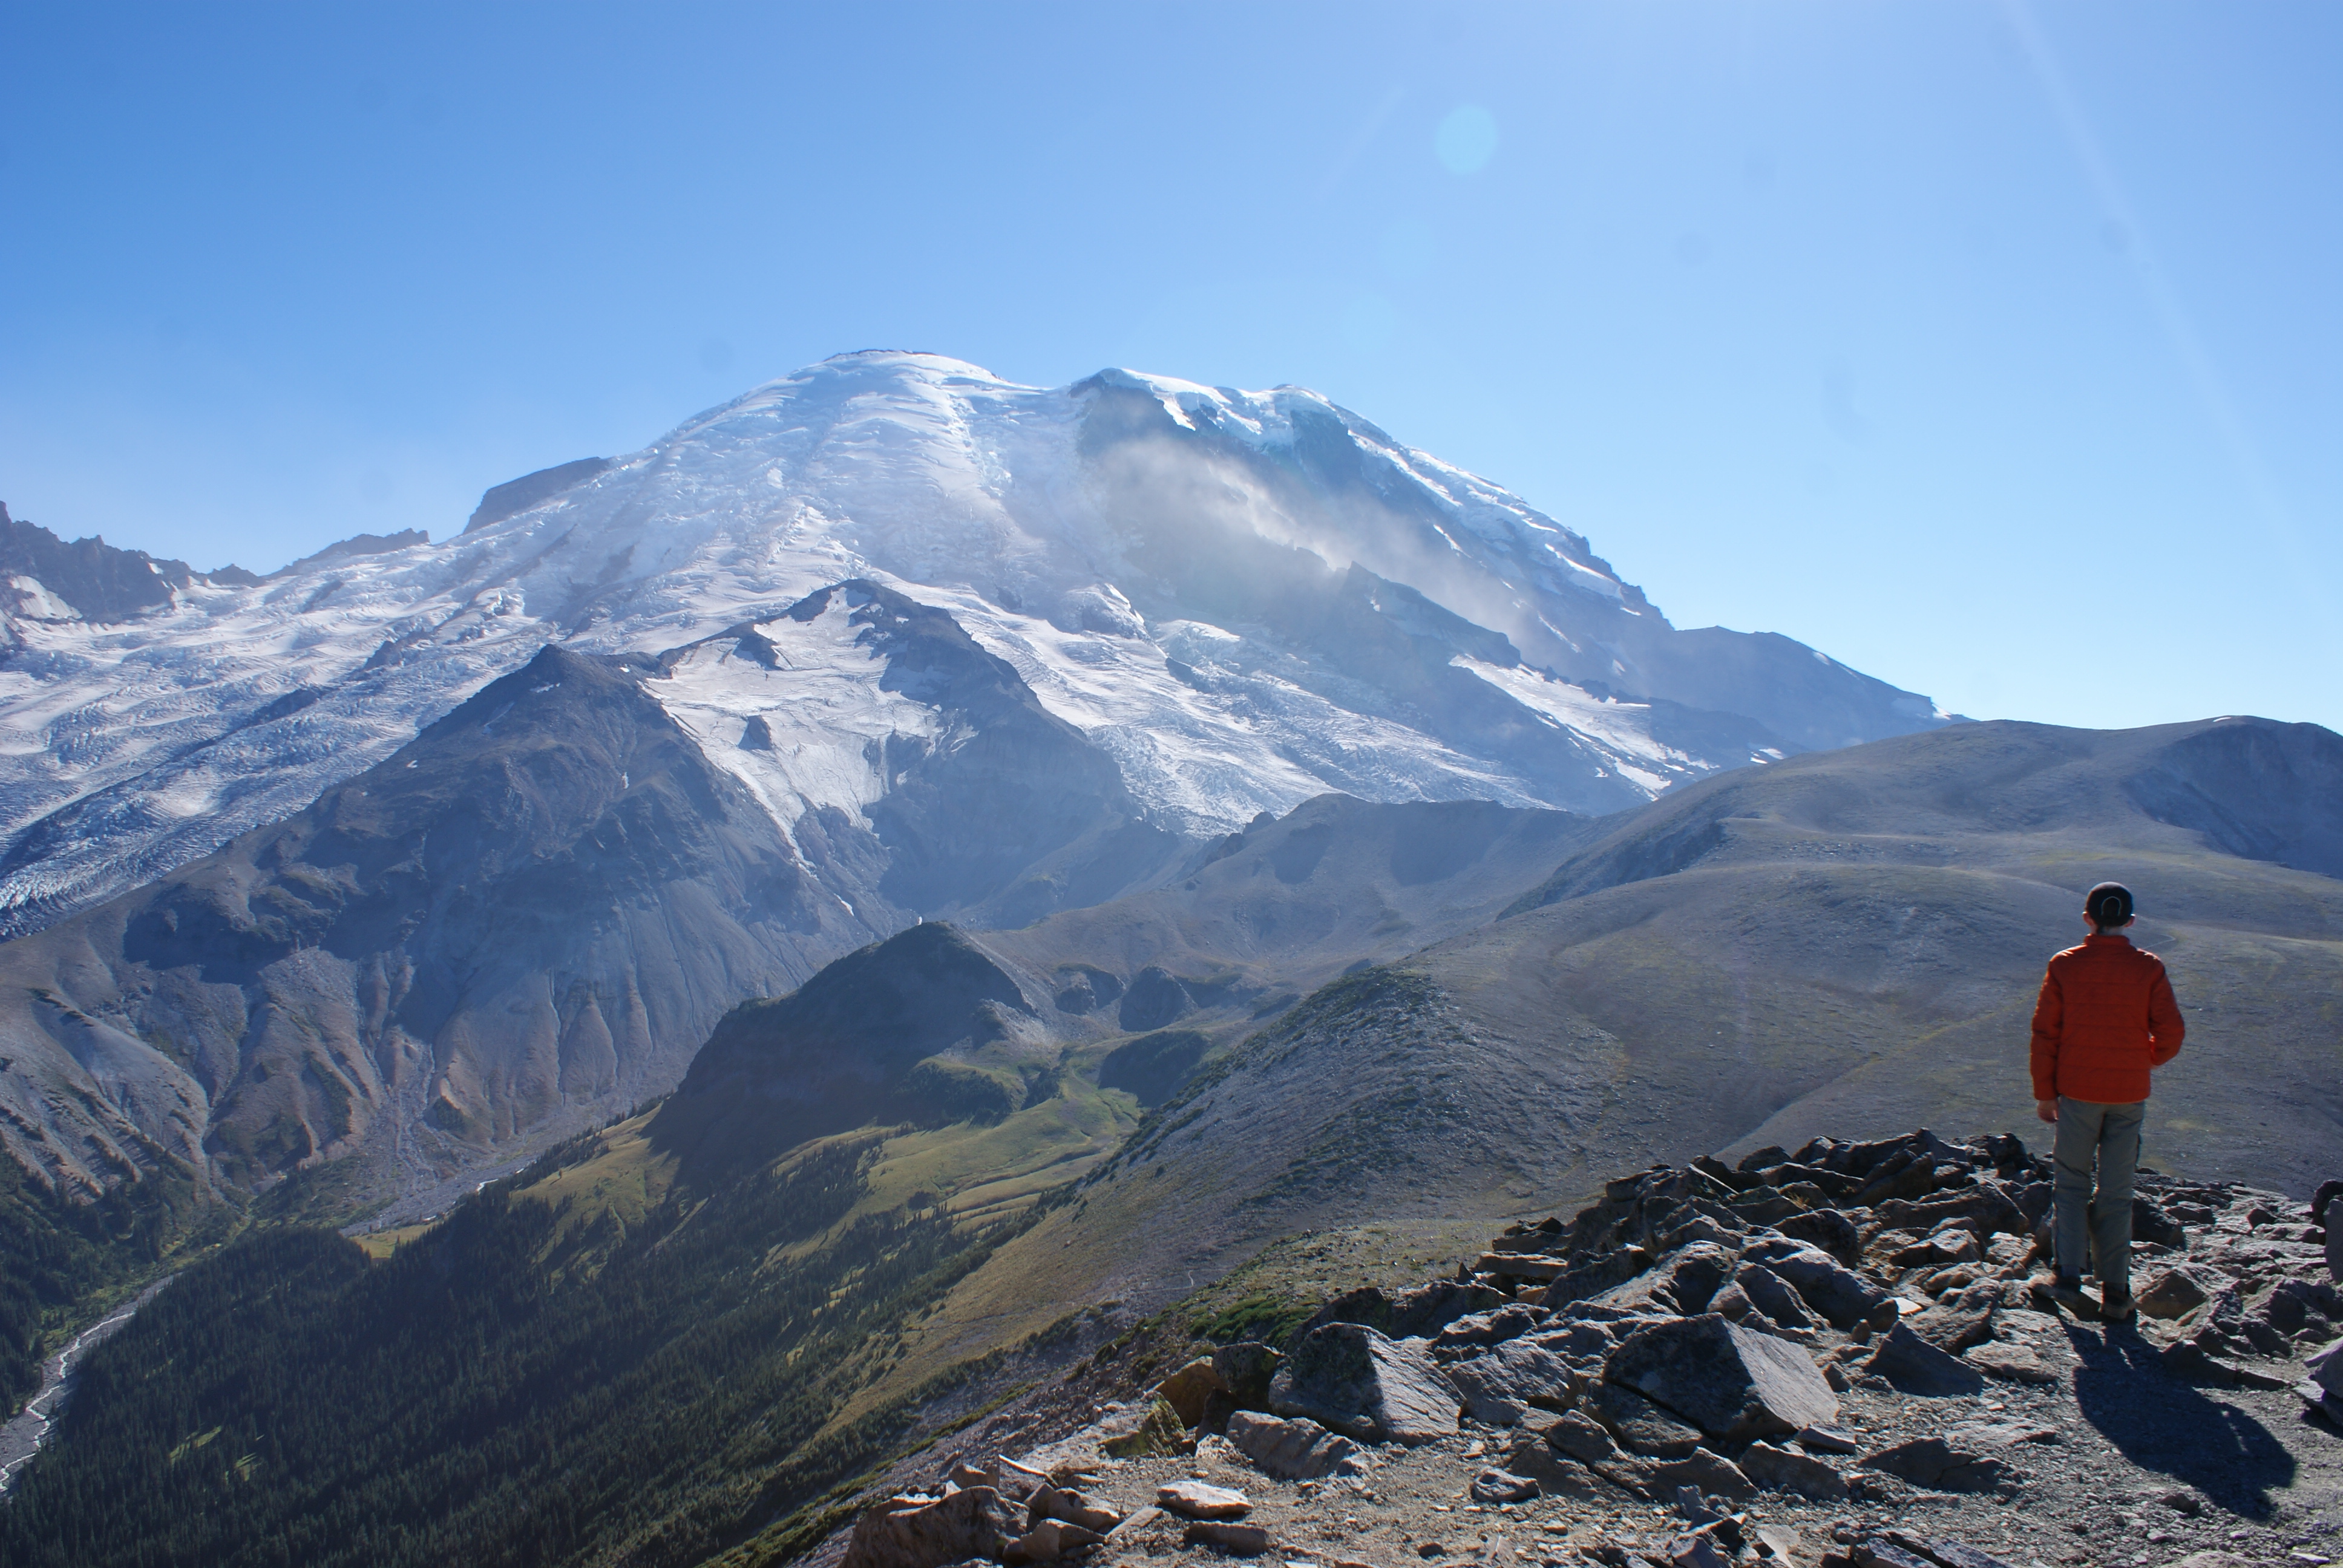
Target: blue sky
pixel 1992 348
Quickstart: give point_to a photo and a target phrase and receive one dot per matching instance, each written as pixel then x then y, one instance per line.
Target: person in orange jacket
pixel 2107 1017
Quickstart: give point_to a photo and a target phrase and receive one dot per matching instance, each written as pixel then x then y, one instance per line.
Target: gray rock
pixel 1641 1426
pixel 2326 1366
pixel 930 1532
pixel 1788 1472
pixel 1351 1379
pixel 1073 1507
pixel 1716 1475
pixel 1246 1368
pixel 1734 1303
pixel 1732 1382
pixel 1771 1295
pixel 1502 1386
pixel 1202 1499
pixel 1298 1450
pixel 1827 1439
pixel 1582 1438
pixel 1841 1295
pixel 1526 1454
pixel 1503 1486
pixel 1419 1312
pixel 1511 1321
pixel 1051 1539
pixel 1589 1279
pixel 1697 1272
pixel 1964 1457
pixel 1966 1319
pixel 1917 1367
pixel 1239 1540
pixel 2009 1362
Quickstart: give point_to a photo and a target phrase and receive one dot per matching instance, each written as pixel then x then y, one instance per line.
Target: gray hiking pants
pixel 2096 1228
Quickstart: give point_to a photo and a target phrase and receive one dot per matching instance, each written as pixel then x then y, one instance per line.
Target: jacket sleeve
pixel 2165 1028
pixel 2049 1025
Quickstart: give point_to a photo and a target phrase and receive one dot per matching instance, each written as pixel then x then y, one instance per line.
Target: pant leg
pixel 2078 1144
pixel 2119 1129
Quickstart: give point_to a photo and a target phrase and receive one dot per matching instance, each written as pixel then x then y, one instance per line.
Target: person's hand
pixel 2047 1110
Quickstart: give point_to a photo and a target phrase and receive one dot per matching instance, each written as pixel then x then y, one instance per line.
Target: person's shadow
pixel 2161 1424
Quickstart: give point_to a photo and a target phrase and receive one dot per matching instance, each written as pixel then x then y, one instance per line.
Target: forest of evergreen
pixel 496 1392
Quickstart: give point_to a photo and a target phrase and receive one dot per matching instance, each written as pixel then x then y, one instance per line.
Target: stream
pixel 22 1435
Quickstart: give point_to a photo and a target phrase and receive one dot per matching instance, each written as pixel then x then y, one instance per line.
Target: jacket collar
pixel 2114 938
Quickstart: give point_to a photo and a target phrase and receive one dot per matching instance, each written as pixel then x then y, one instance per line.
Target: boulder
pixel 1476 1329
pixel 1189 1392
pixel 1829 1229
pixel 1289 1450
pixel 1415 1313
pixel 1733 1302
pixel 1964 1457
pixel 1841 1295
pixel 2172 1292
pixel 1049 1539
pixel 1582 1438
pixel 1201 1499
pixel 1350 1377
pixel 1917 1367
pixel 1503 1385
pixel 2326 1366
pixel 930 1532
pixel 1071 1507
pixel 1716 1475
pixel 1785 1470
pixel 1827 1439
pixel 1496 1486
pixel 1695 1273
pixel 1641 1426
pixel 1526 1454
pixel 1143 1428
pixel 1957 1323
pixel 1771 1295
pixel 1241 1540
pixel 1731 1382
pixel 1694 1550
pixel 2009 1362
pixel 1589 1279
pixel 1246 1368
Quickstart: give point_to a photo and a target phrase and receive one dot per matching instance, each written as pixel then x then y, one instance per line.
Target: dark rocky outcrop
pixel 517 496
pixel 87 579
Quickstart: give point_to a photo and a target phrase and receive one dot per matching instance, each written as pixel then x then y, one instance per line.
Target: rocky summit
pixel 1838 1357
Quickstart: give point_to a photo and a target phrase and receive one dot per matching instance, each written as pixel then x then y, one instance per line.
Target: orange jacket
pixel 2106 1015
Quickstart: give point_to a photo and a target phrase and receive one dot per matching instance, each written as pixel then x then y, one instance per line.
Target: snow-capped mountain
pixel 423 851
pixel 1244 599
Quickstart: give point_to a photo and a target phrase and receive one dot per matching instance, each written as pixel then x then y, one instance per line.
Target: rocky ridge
pixel 1835 1357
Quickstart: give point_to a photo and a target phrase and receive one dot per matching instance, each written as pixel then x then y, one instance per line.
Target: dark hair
pixel 2108 904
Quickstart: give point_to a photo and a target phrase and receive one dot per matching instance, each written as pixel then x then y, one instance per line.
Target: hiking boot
pixel 2117 1307
pixel 2051 1292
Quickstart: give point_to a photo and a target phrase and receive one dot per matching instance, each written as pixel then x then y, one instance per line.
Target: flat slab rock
pixel 1201 1499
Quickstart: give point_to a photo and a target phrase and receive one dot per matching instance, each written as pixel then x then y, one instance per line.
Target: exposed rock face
pixel 517 496
pixel 45 579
